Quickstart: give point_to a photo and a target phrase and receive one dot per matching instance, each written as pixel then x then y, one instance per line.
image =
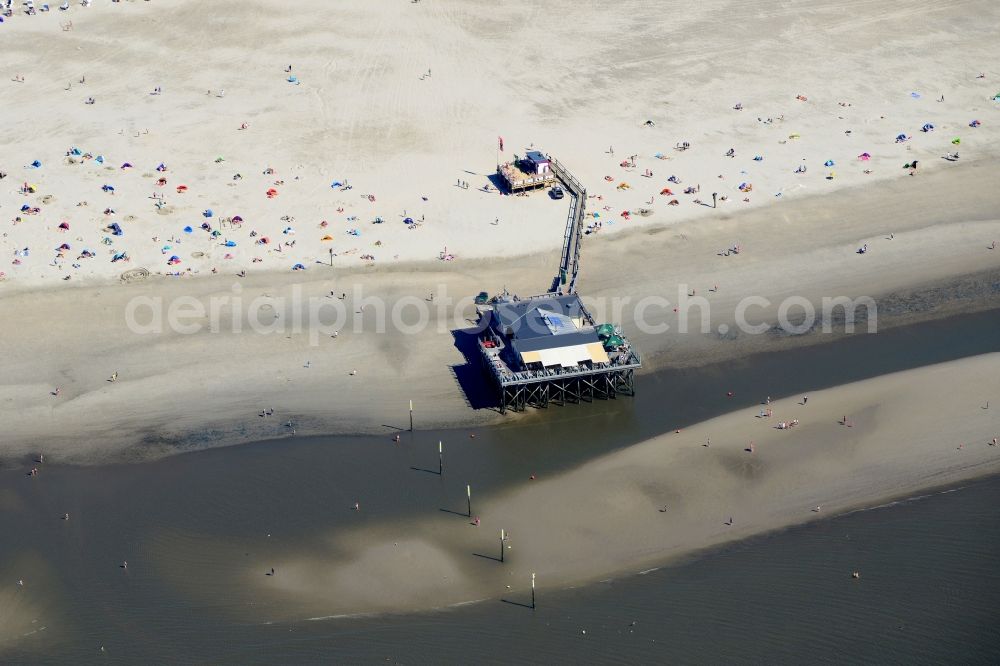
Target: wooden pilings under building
pixel 561 390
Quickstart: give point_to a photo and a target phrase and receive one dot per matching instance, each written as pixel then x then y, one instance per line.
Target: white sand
pixel 365 111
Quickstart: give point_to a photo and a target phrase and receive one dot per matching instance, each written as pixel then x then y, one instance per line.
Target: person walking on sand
pixel 715 200
pixel 805 399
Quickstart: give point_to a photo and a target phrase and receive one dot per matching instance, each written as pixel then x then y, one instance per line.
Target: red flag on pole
pixel 501 143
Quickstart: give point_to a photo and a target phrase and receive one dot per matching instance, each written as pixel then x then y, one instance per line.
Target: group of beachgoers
pixel 743 185
pixel 189 243
pixel 215 241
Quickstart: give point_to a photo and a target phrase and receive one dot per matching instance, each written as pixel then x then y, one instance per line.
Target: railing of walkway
pixel 569 263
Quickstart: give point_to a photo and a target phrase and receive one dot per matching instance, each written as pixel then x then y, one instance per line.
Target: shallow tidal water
pixel 928 592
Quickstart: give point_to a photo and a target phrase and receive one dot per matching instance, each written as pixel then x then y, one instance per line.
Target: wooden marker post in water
pixel 468 497
pixel 532 591
pixel 411 416
pixel 440 458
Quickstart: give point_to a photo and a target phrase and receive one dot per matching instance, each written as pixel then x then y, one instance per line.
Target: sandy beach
pixel 362 116
pixel 402 127
pixel 312 193
pixel 180 391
